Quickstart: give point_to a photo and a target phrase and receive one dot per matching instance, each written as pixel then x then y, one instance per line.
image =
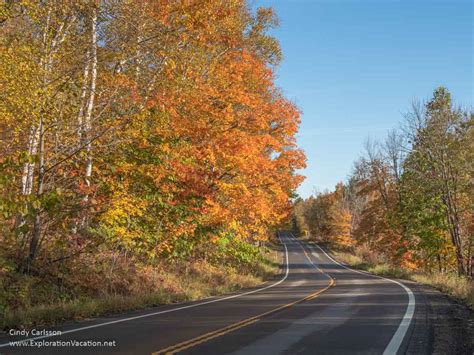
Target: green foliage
pixel 410 199
pixel 238 253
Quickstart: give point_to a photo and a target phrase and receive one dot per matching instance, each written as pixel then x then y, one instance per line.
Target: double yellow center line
pixel 219 332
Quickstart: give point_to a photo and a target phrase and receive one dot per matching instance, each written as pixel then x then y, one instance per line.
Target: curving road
pixel 315 306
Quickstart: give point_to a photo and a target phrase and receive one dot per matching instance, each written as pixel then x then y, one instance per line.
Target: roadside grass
pixel 457 287
pixel 175 284
pixel 460 288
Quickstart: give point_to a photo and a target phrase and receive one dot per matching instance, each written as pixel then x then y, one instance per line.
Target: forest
pixel 147 156
pixel 409 202
pixel 144 148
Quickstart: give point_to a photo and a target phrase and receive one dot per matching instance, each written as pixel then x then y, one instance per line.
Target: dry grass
pixel 176 283
pixel 453 285
pixel 349 259
pixel 42 315
pixel 458 287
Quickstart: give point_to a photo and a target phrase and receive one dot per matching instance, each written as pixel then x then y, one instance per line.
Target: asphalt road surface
pixel 315 306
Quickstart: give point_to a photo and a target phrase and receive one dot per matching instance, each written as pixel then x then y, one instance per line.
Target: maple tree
pixel 146 129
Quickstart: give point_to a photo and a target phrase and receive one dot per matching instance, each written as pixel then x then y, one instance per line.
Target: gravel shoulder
pixel 441 324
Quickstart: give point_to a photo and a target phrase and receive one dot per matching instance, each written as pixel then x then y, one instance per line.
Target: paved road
pixel 316 306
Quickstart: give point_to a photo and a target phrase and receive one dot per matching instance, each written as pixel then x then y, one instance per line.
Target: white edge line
pixel 399 335
pixel 161 312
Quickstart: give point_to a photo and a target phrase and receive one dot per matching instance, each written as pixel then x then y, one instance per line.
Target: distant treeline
pixel 410 199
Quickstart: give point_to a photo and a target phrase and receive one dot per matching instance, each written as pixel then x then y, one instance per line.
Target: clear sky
pixel 353 67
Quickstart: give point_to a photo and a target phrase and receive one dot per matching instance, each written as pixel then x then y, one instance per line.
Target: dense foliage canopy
pixel 148 128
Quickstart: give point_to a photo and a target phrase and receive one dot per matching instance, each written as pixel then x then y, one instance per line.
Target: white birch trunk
pixel 28 168
pixel 82 102
pixel 90 104
pixel 47 64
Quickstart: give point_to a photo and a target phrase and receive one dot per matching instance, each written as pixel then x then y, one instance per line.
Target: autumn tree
pixel 437 180
pixel 409 198
pixel 154 129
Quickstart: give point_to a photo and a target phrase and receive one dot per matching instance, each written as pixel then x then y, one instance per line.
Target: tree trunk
pixel 28 169
pixel 82 102
pixel 37 225
pixel 90 108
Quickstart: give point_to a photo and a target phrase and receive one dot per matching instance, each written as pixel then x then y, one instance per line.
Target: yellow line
pixel 219 332
pixel 209 337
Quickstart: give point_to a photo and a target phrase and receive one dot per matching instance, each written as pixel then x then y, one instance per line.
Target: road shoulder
pixel 441 324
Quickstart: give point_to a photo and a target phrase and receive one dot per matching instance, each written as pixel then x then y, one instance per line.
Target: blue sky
pixel 354 67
